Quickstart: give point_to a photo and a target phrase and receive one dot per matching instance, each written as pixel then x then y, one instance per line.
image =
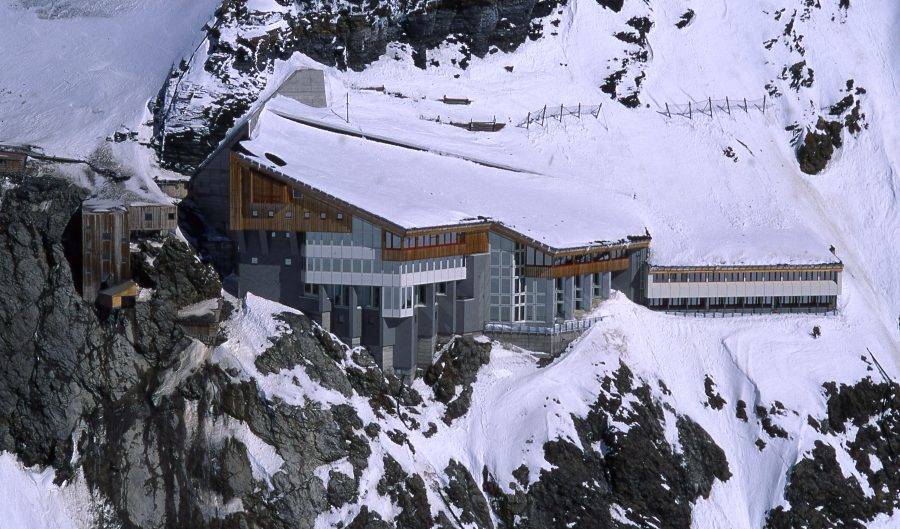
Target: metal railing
pixel 529 328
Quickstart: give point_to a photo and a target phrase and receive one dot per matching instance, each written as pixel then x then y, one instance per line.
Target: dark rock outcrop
pixel 818 492
pixel 635 472
pixel 332 33
pixel 452 376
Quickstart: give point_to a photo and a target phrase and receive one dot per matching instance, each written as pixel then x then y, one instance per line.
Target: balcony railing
pixel 576 269
pixel 531 328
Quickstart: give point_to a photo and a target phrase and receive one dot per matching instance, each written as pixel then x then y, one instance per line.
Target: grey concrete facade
pixel 306 86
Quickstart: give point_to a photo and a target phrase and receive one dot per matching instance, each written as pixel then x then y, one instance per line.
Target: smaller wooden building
pixel 148 217
pixel 12 160
pixel 118 296
pixel 105 246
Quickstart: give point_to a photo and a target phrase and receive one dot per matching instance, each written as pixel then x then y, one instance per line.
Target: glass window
pixel 288 214
pixel 254 260
pixel 287 261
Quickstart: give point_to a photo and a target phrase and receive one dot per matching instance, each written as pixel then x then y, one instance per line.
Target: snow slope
pixel 32 501
pixel 75 71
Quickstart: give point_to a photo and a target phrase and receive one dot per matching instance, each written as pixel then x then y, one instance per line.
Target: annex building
pixel 391 245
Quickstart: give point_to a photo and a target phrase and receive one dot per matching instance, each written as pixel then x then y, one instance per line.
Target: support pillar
pixel 569 298
pixel 427 325
pixel 605 284
pixel 354 318
pixel 587 292
pixel 324 309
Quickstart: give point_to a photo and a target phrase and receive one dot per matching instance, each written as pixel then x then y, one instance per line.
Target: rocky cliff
pixel 277 424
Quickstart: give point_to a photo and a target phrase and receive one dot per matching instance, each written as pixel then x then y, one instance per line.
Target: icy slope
pixel 76 71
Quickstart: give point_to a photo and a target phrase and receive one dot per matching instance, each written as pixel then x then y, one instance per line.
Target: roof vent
pixel 276 160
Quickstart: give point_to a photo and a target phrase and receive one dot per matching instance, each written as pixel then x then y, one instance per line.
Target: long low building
pixel 764 271
pixel 794 288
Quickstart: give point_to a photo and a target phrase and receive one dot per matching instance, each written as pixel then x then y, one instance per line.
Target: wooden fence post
pixel 728 105
pixel 528 121
pixel 745 106
pixel 560 112
pixel 669 114
pixel 690 112
pixel 764 103
pixel 579 110
pixel 543 113
pixel 710 107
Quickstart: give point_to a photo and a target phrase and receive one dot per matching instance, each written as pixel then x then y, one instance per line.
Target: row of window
pixel 394 241
pixel 716 277
pixel 616 253
pixel 368 266
pixel 149 216
pixel 737 302
pixel 289 214
pixel 366 296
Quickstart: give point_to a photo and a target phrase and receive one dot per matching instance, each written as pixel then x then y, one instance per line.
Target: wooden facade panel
pixel 260 202
pixel 473 243
pixel 577 269
pixel 105 251
pixel 152 217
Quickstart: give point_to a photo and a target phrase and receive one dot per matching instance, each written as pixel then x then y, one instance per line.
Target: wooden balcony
pixel 577 269
pixel 475 242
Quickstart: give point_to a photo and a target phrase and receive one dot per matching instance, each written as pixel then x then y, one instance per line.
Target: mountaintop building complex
pixel 392 245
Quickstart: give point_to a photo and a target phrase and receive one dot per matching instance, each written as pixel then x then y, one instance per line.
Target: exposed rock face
pixel 636 473
pixel 334 33
pixel 818 492
pixel 452 376
pixel 282 426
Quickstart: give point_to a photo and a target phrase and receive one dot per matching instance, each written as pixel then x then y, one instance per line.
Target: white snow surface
pixel 701 207
pixel 75 71
pixel 30 499
pixel 418 189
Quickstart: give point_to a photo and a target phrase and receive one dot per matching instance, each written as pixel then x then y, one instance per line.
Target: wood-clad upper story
pixel 577 269
pixel 434 244
pixel 820 267
pixel 258 201
pixel 263 199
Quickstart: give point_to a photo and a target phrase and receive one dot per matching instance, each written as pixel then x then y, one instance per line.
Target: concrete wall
pixel 210 185
pixel 472 295
pixel 306 86
pixel 631 281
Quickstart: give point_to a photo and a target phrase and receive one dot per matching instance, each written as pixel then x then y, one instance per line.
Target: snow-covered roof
pixel 416 188
pixel 758 247
pixel 100 205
